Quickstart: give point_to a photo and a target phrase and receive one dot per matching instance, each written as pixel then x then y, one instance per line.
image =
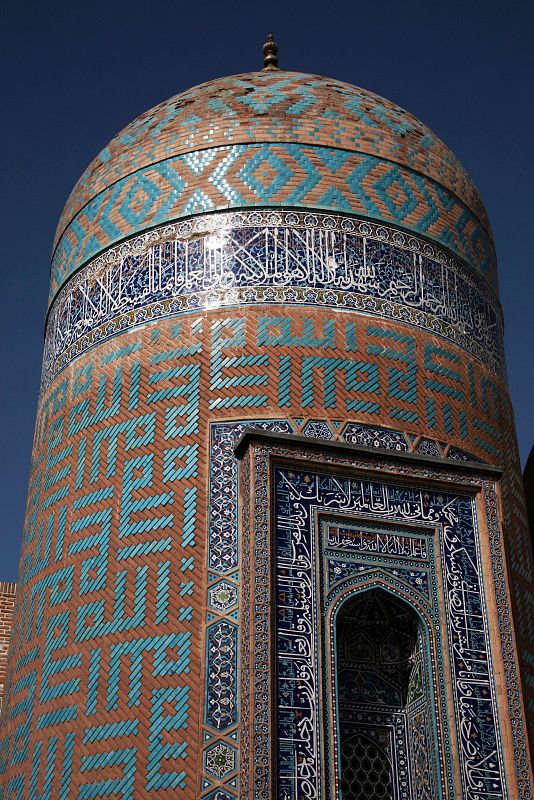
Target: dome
pixel 274 138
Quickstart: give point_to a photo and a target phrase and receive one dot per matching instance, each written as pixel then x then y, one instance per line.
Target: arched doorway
pixel 383 696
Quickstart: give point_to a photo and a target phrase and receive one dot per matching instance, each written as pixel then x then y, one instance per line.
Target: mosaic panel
pixel 223 596
pixel 466 628
pixel 220 714
pixel 339 571
pixel 409 549
pixel 383 540
pixel 429 448
pixel 300 495
pixel 275 257
pixel 220 760
pixel 221 666
pixel 223 552
pixel 376 437
pixel 272 175
pixel 317 429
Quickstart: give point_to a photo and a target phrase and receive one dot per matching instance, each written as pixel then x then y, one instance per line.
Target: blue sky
pixel 75 73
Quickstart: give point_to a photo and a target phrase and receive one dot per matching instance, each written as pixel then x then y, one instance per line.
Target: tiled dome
pixel 273 138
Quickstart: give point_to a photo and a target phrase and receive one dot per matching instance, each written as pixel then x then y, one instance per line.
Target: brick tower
pixel 275 529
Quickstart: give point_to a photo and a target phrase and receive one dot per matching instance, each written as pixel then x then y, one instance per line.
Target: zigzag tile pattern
pixel 275 107
pixel 273 175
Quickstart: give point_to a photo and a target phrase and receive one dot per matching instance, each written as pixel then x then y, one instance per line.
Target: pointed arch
pixel 381 677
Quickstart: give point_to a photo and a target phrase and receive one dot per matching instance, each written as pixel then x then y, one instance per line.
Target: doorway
pixel 382 696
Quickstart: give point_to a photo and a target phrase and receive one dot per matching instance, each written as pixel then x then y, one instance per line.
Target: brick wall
pixel 7 601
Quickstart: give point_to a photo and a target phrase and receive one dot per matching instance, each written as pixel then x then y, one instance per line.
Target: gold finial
pixel 270 53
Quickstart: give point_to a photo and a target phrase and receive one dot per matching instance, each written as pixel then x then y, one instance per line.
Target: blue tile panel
pixel 364 509
pixel 283 257
pixel 385 531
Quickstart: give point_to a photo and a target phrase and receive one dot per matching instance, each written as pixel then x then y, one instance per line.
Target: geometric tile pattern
pixel 104 678
pixel 221 662
pixel 274 106
pixel 237 176
pixel 220 760
pixel 223 596
pixel 317 429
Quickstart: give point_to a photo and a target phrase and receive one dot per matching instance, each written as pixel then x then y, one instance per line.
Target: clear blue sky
pixel 74 73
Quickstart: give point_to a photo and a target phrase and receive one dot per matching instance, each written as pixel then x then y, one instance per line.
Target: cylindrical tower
pixel 289 253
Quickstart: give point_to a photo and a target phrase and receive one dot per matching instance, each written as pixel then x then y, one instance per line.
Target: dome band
pixel 275 107
pixel 272 175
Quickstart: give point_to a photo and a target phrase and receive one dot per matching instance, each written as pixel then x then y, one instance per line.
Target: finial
pixel 270 53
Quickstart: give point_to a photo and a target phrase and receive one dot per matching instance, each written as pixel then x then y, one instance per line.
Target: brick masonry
pixel 268 139
pixel 114 559
pixel 7 602
pixel 275 107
